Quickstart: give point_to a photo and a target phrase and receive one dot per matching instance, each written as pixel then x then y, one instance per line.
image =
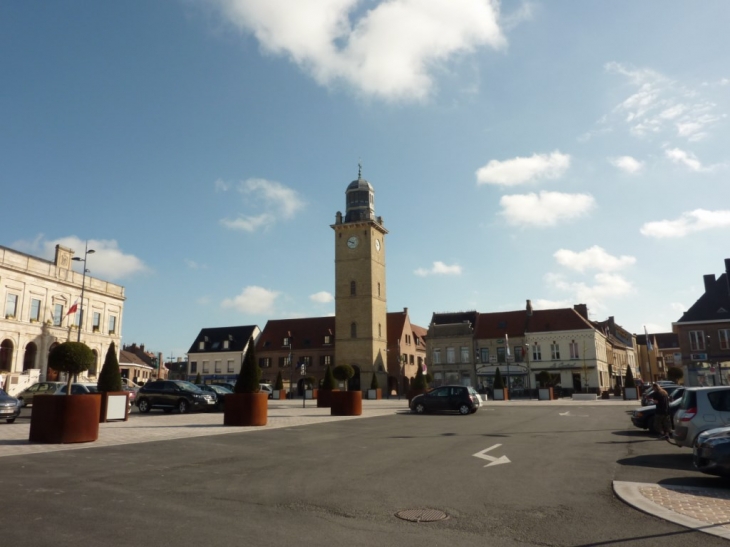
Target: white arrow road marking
pixel 572 415
pixel 493 461
pixel 564 413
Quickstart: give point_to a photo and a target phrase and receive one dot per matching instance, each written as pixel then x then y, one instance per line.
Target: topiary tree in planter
pixel 250 375
pixel 247 405
pixel 329 383
pixel 72 358
pixel 544 378
pixel 343 373
pixel 374 384
pixel 498 382
pixel 345 403
pixel 70 419
pixel 629 382
pixel 198 379
pixel 279 383
pixel 675 374
pixel 110 379
pixel 419 382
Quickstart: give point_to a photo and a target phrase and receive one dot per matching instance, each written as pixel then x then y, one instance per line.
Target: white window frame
pixel 450 356
pixel 206 367
pixel 724 337
pixel 555 351
pixel 696 340
pixel 574 350
pixel 464 354
pixel 437 356
pixel 536 352
pixel 11 305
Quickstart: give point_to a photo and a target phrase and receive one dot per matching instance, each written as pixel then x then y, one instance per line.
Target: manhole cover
pixel 421 515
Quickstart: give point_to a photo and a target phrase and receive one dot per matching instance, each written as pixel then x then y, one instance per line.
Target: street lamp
pixel 87 252
pixel 529 370
pixel 291 365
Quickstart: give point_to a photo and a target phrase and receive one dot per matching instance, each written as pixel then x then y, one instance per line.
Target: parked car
pixel 78 388
pixel 232 387
pixel 9 407
pixel 173 394
pixel 646 396
pixel 711 453
pixel 643 417
pixel 702 408
pixel 463 399
pixel 26 396
pixel 219 392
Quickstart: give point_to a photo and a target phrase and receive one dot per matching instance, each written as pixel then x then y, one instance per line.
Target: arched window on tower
pixel 380 331
pixel 353 330
pixel 378 289
pixel 353 288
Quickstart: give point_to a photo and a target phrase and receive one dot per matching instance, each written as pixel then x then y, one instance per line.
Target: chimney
pixel 141 347
pixel 529 308
pixel 405 311
pixel 709 282
pixel 582 310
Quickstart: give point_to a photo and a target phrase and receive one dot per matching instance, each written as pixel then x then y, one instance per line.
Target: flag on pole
pixel 73 308
pixel 506 341
pixel 649 346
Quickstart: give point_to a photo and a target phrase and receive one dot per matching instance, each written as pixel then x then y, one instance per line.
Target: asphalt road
pixel 341 483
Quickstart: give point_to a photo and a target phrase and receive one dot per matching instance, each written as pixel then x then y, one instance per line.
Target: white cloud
pixel 388 51
pixel 690 222
pixel 607 286
pixel 688 159
pixel 546 208
pixel 195 265
pixel 221 185
pixel 521 170
pixel 627 164
pixel 439 268
pixel 277 200
pixel 106 262
pixel 658 104
pixel 322 297
pixel 678 307
pixel 544 304
pixel 594 258
pixel 253 300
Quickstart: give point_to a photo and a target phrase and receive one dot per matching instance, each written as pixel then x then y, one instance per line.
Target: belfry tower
pixel 360 294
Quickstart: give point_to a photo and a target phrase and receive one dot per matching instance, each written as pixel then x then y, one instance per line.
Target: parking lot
pixel 512 474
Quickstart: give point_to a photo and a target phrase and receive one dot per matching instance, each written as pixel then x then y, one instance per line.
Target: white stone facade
pixel 37 295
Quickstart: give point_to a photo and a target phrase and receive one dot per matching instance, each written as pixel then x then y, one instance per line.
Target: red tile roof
pixel 306 333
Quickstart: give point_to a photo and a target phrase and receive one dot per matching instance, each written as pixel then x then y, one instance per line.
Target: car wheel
pixel 144 406
pixel 10 420
pixel 464 409
pixel 182 406
pixel 420 408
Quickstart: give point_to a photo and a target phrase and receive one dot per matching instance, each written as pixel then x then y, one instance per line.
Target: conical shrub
pixel 250 374
pixel 110 378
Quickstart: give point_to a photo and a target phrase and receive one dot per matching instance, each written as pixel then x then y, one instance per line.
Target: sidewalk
pixel 701 509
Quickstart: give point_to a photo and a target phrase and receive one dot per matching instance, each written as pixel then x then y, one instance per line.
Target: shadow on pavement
pixel 679 461
pixel 706 481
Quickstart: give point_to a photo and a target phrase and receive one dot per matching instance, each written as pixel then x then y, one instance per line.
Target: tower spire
pixel 359 169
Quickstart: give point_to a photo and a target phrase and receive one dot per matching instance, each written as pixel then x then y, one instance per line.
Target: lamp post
pixel 87 252
pixel 529 370
pixel 291 365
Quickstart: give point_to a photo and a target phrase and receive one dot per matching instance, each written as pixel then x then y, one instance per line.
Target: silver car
pixel 48 388
pixel 702 408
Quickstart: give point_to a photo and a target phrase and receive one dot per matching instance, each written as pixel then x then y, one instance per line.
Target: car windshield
pixel 187 386
pixel 472 391
pixel 220 389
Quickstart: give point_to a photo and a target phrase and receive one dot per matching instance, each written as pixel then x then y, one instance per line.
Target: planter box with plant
pixel 501 393
pixel 329 385
pixel 247 405
pixel 114 400
pixel 279 392
pixel 67 418
pixel 545 392
pixel 375 392
pixel 345 403
pixel 418 385
pixel 631 392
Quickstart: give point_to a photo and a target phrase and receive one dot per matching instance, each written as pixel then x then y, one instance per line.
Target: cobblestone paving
pixel 711 506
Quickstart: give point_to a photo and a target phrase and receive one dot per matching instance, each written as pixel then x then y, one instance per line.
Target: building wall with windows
pixel 37 295
pixel 450 348
pixel 217 353
pixel 703 332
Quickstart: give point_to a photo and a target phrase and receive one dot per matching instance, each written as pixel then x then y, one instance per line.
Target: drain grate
pixel 421 515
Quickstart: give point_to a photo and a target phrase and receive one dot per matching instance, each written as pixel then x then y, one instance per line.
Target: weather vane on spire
pixel 359 169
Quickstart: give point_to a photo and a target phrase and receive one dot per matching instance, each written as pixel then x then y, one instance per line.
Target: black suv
pixel 173 394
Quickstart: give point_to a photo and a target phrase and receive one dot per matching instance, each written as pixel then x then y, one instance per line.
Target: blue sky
pixel 563 152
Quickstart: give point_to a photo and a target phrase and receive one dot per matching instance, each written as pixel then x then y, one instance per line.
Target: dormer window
pixel 226 344
pixel 286 342
pixel 201 344
pixel 327 339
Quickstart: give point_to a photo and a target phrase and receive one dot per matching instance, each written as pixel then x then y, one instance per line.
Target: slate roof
pixel 713 305
pixel 664 340
pixel 306 333
pixel 496 324
pixel 127 357
pixel 458 317
pixel 556 320
pixel 237 336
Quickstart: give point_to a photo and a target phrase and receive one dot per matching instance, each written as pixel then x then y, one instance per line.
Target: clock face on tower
pixel 352 242
pixel 377 244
